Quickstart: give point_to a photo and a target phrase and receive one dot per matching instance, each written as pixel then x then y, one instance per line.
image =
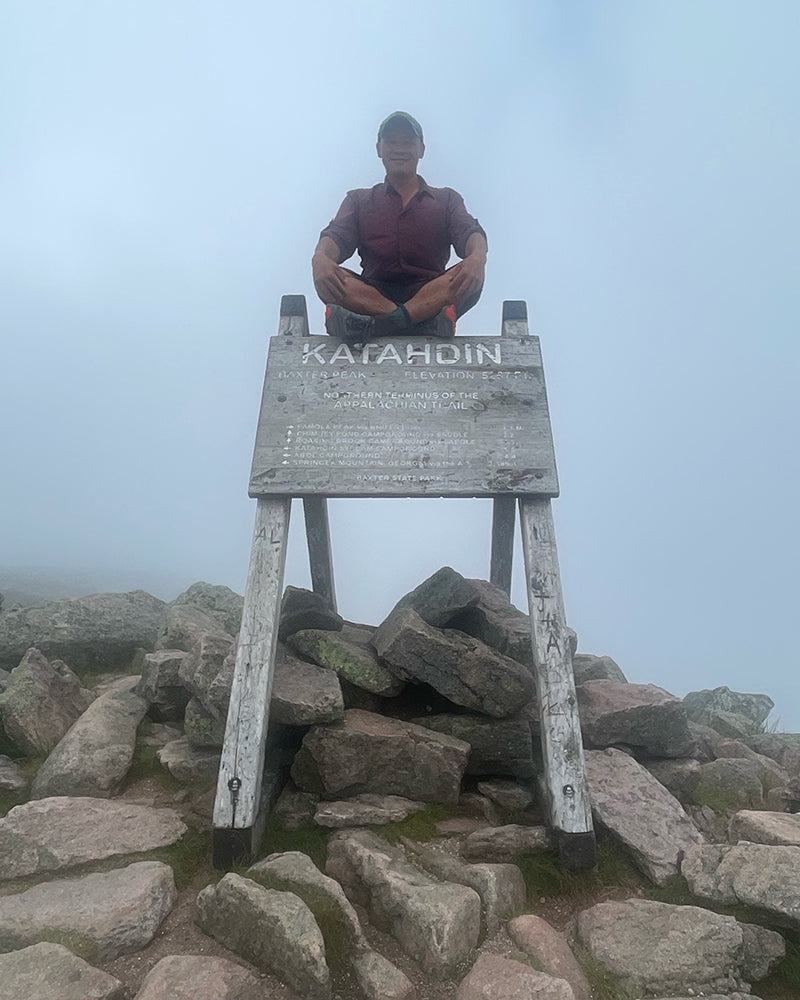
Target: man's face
pixel 400 149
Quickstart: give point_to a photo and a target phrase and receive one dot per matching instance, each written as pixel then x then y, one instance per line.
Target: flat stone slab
pixel 350 655
pixel 765 828
pixel 96 754
pixel 508 795
pixel 628 801
pixel 198 765
pixel 102 916
pixel 366 810
pixel 437 923
pixel 462 668
pixel 551 952
pixel 763 876
pixel 51 836
pixel 274 930
pixel 506 844
pixel 51 972
pixel 304 694
pixel 199 977
pixel 372 753
pixel 639 715
pixel 494 977
pixel 658 948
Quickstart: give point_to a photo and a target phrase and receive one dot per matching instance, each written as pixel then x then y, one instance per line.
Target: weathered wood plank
pixel 238 797
pixel 294 316
pixel 504 516
pixel 320 559
pixel 562 747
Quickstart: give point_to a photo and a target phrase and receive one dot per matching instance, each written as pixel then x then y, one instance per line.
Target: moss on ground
pixel 419 826
pixel 311 840
pixel 545 875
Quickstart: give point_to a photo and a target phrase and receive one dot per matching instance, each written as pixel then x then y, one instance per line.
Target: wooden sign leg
pixel 238 816
pixel 504 513
pixel 318 534
pixel 562 746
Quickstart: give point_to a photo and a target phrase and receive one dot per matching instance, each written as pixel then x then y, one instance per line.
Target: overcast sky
pixel 165 169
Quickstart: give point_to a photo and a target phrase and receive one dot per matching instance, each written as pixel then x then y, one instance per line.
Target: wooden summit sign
pixel 410 417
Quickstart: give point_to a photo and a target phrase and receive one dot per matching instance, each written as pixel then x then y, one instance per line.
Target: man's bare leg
pixel 436 295
pixel 359 297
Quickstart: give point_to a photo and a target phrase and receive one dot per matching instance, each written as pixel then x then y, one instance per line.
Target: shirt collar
pixel 423 186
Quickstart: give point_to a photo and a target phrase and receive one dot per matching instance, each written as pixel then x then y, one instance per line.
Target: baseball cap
pixel 401 116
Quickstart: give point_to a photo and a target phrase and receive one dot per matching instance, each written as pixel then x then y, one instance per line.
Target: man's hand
pixel 329 278
pixel 468 276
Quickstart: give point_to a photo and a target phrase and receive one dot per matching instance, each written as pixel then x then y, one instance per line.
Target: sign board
pixel 406 417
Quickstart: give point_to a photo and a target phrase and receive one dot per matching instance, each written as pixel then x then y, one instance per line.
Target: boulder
pixel 763 876
pixel 42 700
pixel 729 784
pixel 662 949
pixel 96 754
pixel 460 667
pixel 497 746
pixel 274 930
pixel 202 728
pixel 51 972
pixel 784 748
pixel 642 716
pixel 786 798
pixel 705 707
pixel 366 810
pixel 437 923
pixel 378 979
pixel 510 796
pixel 679 776
pixel 770 772
pixel 350 655
pixel 100 632
pixel 586 667
pixel 302 609
pixel 303 694
pixel 294 808
pixel 52 836
pixel 494 977
pixel 11 777
pixel 501 887
pixel 183 626
pixel 222 604
pixel 199 977
pixel 550 951
pixel 371 753
pixel 207 672
pixel 448 600
pixel 636 808
pixel 335 916
pixel 102 915
pixel 762 951
pixel 506 844
pixel 188 763
pixel 161 686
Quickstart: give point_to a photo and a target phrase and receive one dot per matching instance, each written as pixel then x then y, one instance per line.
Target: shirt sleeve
pixel 343 228
pixel 461 225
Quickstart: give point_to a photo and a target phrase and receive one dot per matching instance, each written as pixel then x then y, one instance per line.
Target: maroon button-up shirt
pixel 405 245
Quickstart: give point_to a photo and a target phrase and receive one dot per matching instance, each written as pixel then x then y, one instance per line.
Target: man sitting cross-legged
pixel 403 230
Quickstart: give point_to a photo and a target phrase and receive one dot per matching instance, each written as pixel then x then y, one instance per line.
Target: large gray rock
pixel 437 923
pixel 762 951
pixel 586 667
pixel 679 776
pixel 760 827
pixel 294 808
pixel 781 747
pixel 52 836
pixel 460 667
pixel 42 700
pixel 274 930
pixel 199 977
pixel 96 754
pixel 51 972
pixel 203 729
pixel 183 626
pixel 550 951
pixel 729 784
pixel 335 916
pixel 207 672
pixel 448 600
pixel 100 632
pixel 758 875
pixel 189 763
pixel 494 977
pixel 770 772
pixel 378 979
pixel 506 844
pixel 663 949
pixel 222 604
pixel 641 716
pixel 500 886
pixel 302 609
pixel 708 707
pixel 510 796
pixel 102 915
pixel 350 655
pixel 371 753
pixel 161 686
pixel 365 810
pixel 304 694
pixel 627 800
pixel 497 746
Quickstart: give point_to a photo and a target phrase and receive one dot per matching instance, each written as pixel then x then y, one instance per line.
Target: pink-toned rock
pixel 496 978
pixel 549 947
pixel 199 977
pixel 639 715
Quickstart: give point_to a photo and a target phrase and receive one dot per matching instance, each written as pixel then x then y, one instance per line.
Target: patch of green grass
pixel 187 858
pixel 420 826
pixel 545 875
pixel 784 982
pixel 605 985
pixel 311 840
pixel 145 764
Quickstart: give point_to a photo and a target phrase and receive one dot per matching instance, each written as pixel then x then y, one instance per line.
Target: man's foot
pixel 443 324
pixel 351 327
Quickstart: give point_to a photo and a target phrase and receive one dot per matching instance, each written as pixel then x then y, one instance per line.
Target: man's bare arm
pixel 329 279
pixel 470 275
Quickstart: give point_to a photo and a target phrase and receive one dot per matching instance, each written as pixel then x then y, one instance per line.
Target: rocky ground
pixel 407 854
